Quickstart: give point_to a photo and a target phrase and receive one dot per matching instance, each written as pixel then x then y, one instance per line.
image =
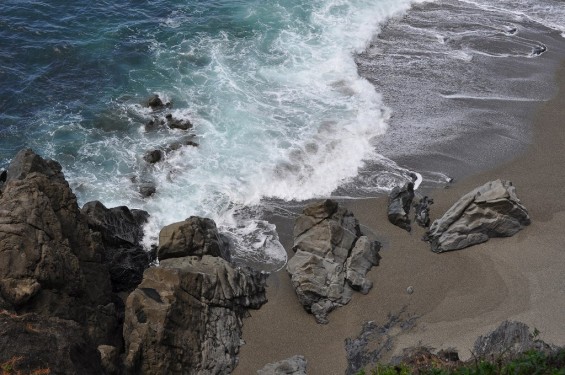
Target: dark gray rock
pixel 147 189
pixel 35 344
pixel 399 204
pixel 118 225
pixel 422 211
pixel 295 365
pixel 492 210
pixel 186 141
pixel 186 316
pixel 50 262
pixel 508 339
pixel 122 231
pixel 194 236
pixel 332 258
pixel 374 341
pixel 153 156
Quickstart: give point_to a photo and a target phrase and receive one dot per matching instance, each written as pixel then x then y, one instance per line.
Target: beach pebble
pixel 410 289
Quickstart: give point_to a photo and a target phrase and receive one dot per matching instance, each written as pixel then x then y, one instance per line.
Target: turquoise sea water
pixel 272 88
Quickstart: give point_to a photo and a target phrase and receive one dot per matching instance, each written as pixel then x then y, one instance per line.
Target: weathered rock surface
pixel 332 258
pixel 399 204
pixel 422 211
pixel 185 317
pixel 508 339
pixel 175 123
pixel 194 236
pixel 492 210
pixel 38 343
pixel 118 225
pixel 50 262
pixel 295 365
pixel 122 231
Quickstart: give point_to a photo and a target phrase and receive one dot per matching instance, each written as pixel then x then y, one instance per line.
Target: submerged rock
pixel 155 103
pixel 399 204
pixel 118 225
pixel 492 210
pixel 295 365
pixel 122 231
pixel 331 260
pixel 153 156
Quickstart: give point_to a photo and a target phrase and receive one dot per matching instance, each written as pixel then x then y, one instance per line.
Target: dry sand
pixel 458 295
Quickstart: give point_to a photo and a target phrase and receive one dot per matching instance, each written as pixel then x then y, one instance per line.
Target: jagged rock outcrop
pixel 50 262
pixel 186 315
pixel 492 210
pixel 35 344
pixel 399 204
pixel 331 258
pixel 122 231
pixel 295 365
pixel 508 339
pixel 194 236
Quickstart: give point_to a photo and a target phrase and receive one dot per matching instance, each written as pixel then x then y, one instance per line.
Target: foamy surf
pixel 278 108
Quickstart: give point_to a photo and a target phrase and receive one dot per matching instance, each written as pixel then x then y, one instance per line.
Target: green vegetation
pixel 528 363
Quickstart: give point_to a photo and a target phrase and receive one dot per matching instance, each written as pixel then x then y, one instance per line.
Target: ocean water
pixel 283 105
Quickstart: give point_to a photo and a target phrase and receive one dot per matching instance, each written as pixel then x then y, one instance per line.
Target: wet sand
pixel 458 295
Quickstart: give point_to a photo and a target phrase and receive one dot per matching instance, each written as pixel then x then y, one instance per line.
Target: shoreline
pixel 457 295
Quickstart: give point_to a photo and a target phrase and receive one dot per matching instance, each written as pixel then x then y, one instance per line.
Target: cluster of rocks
pixel 146 187
pixel 144 183
pixel 401 201
pixel 331 260
pixel 78 294
pixel 491 210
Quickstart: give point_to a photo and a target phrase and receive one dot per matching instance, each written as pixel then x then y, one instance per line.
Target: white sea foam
pixel 278 108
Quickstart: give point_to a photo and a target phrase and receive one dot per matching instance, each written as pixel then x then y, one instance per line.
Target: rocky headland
pixel 79 295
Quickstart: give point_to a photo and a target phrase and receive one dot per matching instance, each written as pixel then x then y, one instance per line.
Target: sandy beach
pixel 457 295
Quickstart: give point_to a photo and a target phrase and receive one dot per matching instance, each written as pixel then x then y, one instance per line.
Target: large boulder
pixel 185 317
pixel 492 210
pixel 122 231
pixel 194 236
pixel 399 204
pixel 331 260
pixel 295 365
pixel 35 344
pixel 50 262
